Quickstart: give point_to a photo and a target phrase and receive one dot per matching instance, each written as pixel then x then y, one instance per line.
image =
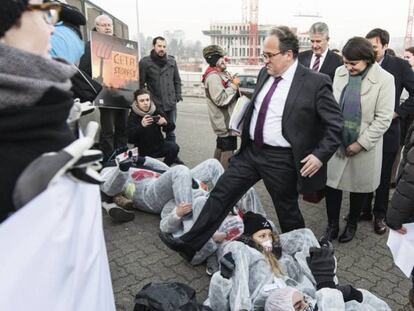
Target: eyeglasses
pixel 105 25
pixel 270 55
pixel 407 57
pixel 50 11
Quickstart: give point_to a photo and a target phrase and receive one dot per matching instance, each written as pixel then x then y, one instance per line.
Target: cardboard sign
pixel 115 66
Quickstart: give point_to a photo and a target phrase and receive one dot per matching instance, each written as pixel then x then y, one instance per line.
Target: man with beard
pixel 158 72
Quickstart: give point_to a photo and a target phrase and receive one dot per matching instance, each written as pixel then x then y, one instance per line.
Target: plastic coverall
pixel 327 299
pixel 150 190
pixel 172 223
pixel 253 279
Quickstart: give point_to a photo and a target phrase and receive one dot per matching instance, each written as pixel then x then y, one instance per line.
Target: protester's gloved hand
pixel 125 165
pixel 227 266
pixel 75 159
pixel 350 293
pixel 277 249
pixel 322 264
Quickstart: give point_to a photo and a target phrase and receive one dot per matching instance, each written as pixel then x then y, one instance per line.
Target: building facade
pixel 234 38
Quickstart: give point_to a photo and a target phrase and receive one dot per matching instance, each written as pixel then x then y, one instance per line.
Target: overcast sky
pixel 346 18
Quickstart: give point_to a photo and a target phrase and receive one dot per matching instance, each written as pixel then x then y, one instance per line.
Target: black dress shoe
pixel 177 160
pixel 348 233
pixel 331 232
pixel 176 244
pixel 379 226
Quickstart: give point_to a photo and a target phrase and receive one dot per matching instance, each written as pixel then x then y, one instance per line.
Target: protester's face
pixel 409 57
pixel 262 235
pixel 379 49
pixel 221 64
pixel 355 67
pixel 105 26
pixel 275 61
pixel 143 102
pixel 319 43
pixel 298 301
pixel 160 47
pixel 31 32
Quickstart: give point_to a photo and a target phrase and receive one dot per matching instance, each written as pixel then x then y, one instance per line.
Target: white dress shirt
pixel 321 59
pixel 272 129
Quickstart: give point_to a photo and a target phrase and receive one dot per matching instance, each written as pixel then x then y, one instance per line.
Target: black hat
pixel 254 222
pixel 10 12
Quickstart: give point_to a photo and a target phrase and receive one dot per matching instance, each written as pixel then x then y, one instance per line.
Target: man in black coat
pixel 320 58
pixel 403 79
pixel 287 138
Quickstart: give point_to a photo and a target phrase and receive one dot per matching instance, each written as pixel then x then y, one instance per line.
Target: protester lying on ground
pixel 145 123
pixel 401 210
pixel 150 183
pixel 179 219
pixel 35 92
pixel 260 261
pixel 329 296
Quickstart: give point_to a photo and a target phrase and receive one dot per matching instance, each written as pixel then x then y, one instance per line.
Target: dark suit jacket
pixel 331 62
pixel 312 122
pixel 403 78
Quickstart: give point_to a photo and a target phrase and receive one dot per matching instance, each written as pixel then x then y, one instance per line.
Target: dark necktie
pixel 258 130
pixel 316 63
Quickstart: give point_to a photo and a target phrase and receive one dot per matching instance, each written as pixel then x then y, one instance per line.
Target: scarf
pixel 350 104
pixel 160 61
pixel 211 70
pixel 143 113
pixel 25 77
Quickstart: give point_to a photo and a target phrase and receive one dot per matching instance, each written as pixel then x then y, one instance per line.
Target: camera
pixel 155 119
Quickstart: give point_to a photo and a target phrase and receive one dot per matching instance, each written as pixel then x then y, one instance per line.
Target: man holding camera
pixel 144 129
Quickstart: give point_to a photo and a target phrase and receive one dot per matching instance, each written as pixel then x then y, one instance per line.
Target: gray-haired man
pixel 320 58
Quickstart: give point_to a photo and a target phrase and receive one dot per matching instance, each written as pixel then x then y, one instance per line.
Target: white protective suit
pixel 253 279
pixel 149 190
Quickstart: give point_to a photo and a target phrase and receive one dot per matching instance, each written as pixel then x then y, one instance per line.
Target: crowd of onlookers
pixel 319 122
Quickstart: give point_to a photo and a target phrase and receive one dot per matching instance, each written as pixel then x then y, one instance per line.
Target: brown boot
pixel 123 202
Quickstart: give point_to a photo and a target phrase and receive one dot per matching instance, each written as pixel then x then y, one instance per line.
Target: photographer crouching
pixel 144 129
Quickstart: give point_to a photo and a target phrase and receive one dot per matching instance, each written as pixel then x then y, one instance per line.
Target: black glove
pixel 126 164
pixel 227 266
pixel 277 249
pixel 322 264
pixel 350 293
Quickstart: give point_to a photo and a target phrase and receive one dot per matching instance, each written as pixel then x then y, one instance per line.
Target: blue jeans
pixel 172 118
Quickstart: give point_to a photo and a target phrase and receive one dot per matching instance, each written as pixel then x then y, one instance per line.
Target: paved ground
pixel 137 256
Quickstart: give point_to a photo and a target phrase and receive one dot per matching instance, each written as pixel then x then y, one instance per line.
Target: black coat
pixel 163 83
pixel 149 138
pixel 331 62
pixel 401 209
pixel 403 78
pixel 312 122
pixel 27 133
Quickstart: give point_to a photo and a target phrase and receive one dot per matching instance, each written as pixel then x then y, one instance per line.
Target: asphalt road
pixel 137 256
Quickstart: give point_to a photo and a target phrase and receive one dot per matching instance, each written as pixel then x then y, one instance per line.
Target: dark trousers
pixel 275 166
pixel 333 199
pixel 172 118
pixel 382 193
pixel 113 129
pixel 168 150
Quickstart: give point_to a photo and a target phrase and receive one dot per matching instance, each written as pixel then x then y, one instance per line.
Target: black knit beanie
pixel 10 12
pixel 254 222
pixel 212 59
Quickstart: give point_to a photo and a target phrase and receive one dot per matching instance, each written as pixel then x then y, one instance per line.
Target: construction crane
pixel 409 30
pixel 250 15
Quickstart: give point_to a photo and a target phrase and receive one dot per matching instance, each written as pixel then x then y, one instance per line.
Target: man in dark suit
pixel 320 58
pixel 403 78
pixel 292 127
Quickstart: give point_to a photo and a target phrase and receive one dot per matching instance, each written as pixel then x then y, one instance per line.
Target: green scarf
pixel 350 103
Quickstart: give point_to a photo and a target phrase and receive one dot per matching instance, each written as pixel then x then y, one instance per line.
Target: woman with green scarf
pixel 365 93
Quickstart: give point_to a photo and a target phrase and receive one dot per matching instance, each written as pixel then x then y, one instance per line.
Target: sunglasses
pixel 50 11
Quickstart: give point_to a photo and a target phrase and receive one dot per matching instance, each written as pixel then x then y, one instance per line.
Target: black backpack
pixel 167 297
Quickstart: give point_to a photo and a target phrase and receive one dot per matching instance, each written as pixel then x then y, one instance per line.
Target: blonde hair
pixel 272 260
